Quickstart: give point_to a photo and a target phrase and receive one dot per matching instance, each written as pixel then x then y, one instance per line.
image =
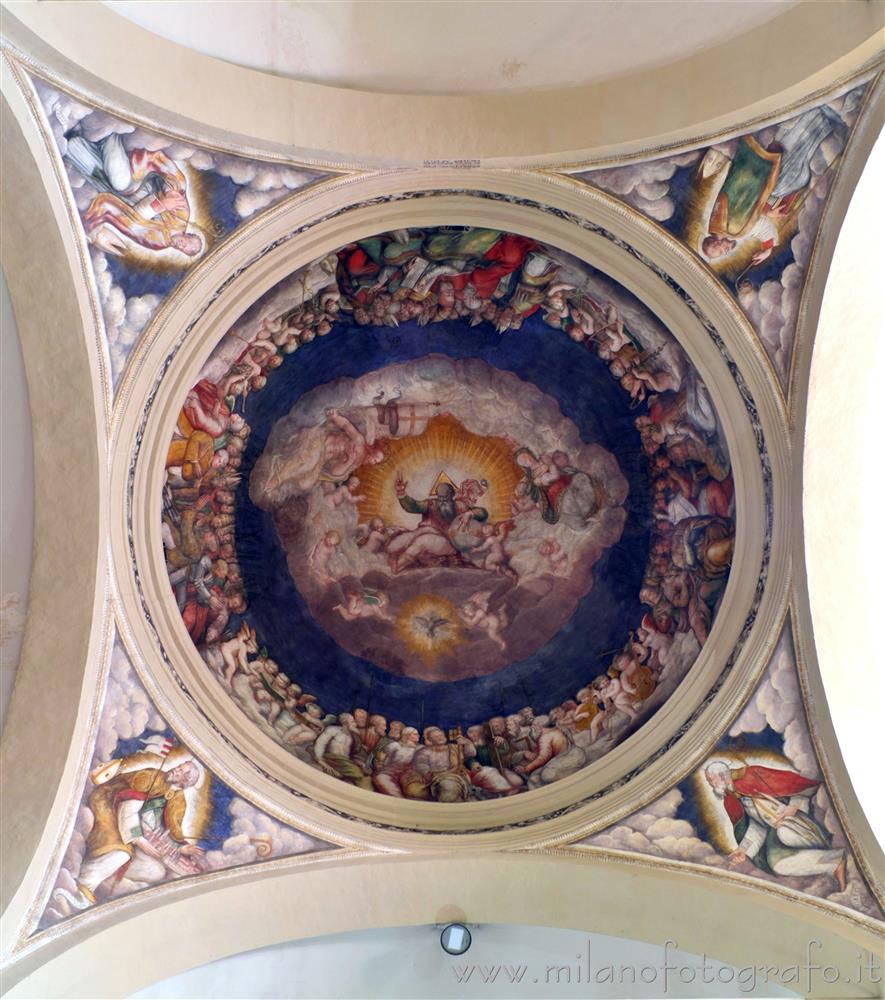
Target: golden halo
pixel 445 446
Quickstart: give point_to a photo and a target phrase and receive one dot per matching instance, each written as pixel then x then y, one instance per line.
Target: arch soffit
pixel 52 318
pixel 432 889
pixel 867 131
pixel 106 57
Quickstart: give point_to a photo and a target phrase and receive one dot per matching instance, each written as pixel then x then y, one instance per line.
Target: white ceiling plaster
pixel 843 482
pixel 407 962
pixel 451 46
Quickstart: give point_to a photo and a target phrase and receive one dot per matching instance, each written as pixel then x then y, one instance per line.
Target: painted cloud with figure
pixel 750 207
pixel 151 206
pixel 152 812
pixel 758 805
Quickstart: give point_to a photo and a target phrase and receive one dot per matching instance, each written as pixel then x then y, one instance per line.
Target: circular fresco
pixel 448 514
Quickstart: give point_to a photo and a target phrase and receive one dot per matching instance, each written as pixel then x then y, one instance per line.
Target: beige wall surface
pixel 588 893
pixel 61 391
pixel 16 498
pixel 444 47
pixel 504 961
pixel 843 544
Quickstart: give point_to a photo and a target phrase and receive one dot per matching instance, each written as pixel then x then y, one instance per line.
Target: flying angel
pixel 475 613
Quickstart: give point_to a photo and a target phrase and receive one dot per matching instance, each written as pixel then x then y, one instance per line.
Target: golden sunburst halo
pixel 429 626
pixel 445 446
pixel 698 209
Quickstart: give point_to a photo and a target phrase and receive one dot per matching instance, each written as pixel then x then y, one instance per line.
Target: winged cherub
pixel 475 613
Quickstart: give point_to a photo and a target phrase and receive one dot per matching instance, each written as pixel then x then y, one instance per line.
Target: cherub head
pixel 446 294
pixel 471 490
pixel 374 454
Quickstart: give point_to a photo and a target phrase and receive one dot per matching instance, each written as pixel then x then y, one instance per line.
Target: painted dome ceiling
pixel 448 514
pixel 432 478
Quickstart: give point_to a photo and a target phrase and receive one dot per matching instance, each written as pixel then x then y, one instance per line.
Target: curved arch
pixel 863 840
pixel 843 553
pixel 104 53
pixel 56 684
pixel 580 890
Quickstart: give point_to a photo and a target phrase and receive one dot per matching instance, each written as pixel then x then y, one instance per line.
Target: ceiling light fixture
pixel 455 939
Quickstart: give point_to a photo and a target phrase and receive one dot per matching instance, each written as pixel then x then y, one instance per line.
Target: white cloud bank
pixel 260 185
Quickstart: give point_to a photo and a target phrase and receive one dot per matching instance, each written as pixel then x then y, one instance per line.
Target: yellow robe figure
pixel 143 816
pixel 106 835
pixel 192 454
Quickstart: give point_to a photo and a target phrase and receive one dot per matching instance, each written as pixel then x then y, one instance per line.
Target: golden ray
pixel 445 446
pixel 429 626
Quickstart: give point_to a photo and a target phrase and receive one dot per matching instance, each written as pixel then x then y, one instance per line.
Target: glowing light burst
pixel 429 626
pixel 711 809
pixel 169 260
pixel 445 446
pixel 699 208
